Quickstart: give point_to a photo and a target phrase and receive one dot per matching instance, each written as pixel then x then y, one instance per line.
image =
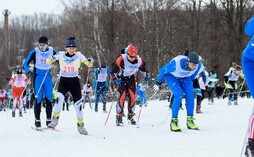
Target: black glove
pixel 159 85
pixel 206 88
pixel 210 82
pixel 31 74
pixel 119 74
pixel 89 59
pixel 226 78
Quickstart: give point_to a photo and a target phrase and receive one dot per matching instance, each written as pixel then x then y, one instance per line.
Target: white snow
pixel 222 133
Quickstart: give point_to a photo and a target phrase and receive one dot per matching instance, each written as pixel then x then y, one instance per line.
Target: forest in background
pixel 160 29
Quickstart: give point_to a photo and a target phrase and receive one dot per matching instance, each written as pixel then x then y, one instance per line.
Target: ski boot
pixel 130 118
pixel 174 125
pixel 236 103
pixel 249 151
pixel 24 108
pixel 190 123
pixel 229 103
pixel 20 114
pixel 119 120
pixel 81 129
pixel 210 102
pixel 48 121
pixel 13 113
pixel 54 122
pixel 104 109
pixel 37 124
pixel 198 109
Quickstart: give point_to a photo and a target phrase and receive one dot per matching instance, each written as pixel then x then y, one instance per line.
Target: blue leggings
pixel 46 88
pixel 142 97
pixel 179 87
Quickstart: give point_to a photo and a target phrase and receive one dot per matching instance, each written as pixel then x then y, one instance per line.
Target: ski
pixel 44 129
pixel 119 124
pixel 37 129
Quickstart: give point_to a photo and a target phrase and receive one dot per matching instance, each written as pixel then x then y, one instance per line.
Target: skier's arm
pixel 166 69
pixel 29 58
pixel 203 76
pixel 95 73
pixel 229 72
pixel 142 69
pixel 116 69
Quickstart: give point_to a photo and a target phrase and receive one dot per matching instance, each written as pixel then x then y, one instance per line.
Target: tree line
pixel 160 29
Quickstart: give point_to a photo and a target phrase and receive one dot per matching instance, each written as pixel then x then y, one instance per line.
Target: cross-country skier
pixel 87 93
pixel 248 64
pixel 178 74
pixel 195 82
pixel 3 99
pixel 19 82
pixel 42 79
pixel 69 62
pixel 101 85
pixel 212 80
pixel 124 70
pixel 230 79
pixel 141 90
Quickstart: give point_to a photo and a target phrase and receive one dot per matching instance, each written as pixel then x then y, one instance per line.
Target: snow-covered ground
pixel 222 132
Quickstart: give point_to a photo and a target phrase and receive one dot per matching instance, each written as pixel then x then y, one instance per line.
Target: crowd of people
pixel 185 76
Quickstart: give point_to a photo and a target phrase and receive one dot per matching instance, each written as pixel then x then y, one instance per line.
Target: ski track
pixel 221 134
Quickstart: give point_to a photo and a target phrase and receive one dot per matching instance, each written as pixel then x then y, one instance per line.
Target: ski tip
pixel 37 129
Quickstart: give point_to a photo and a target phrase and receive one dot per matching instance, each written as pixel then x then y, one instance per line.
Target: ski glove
pixel 50 60
pixel 206 88
pixel 157 86
pixel 118 81
pixel 226 79
pixel 89 62
pixel 210 83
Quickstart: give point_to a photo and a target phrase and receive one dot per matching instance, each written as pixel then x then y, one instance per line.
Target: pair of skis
pixel 44 129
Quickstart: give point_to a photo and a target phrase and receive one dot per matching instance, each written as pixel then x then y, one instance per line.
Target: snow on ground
pixel 222 132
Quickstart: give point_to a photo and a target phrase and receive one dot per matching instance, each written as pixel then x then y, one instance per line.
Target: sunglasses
pixel 132 56
pixel 42 45
pixel 192 64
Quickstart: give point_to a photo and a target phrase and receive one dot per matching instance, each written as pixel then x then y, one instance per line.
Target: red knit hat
pixel 131 50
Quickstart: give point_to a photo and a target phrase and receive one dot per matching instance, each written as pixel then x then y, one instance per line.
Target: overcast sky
pixel 28 7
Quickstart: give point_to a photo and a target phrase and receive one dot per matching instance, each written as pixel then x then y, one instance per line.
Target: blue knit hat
pixel 103 65
pixel 71 42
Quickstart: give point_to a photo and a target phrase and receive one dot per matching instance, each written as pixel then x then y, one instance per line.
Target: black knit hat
pixel 71 42
pixel 43 40
pixel 19 71
pixel 193 57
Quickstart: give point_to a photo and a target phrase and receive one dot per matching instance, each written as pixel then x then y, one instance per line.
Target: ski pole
pixel 139 114
pixel 21 95
pixel 36 95
pixel 9 103
pixel 241 87
pixel 164 120
pixel 237 92
pixel 246 134
pixel 109 110
pixel 152 96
